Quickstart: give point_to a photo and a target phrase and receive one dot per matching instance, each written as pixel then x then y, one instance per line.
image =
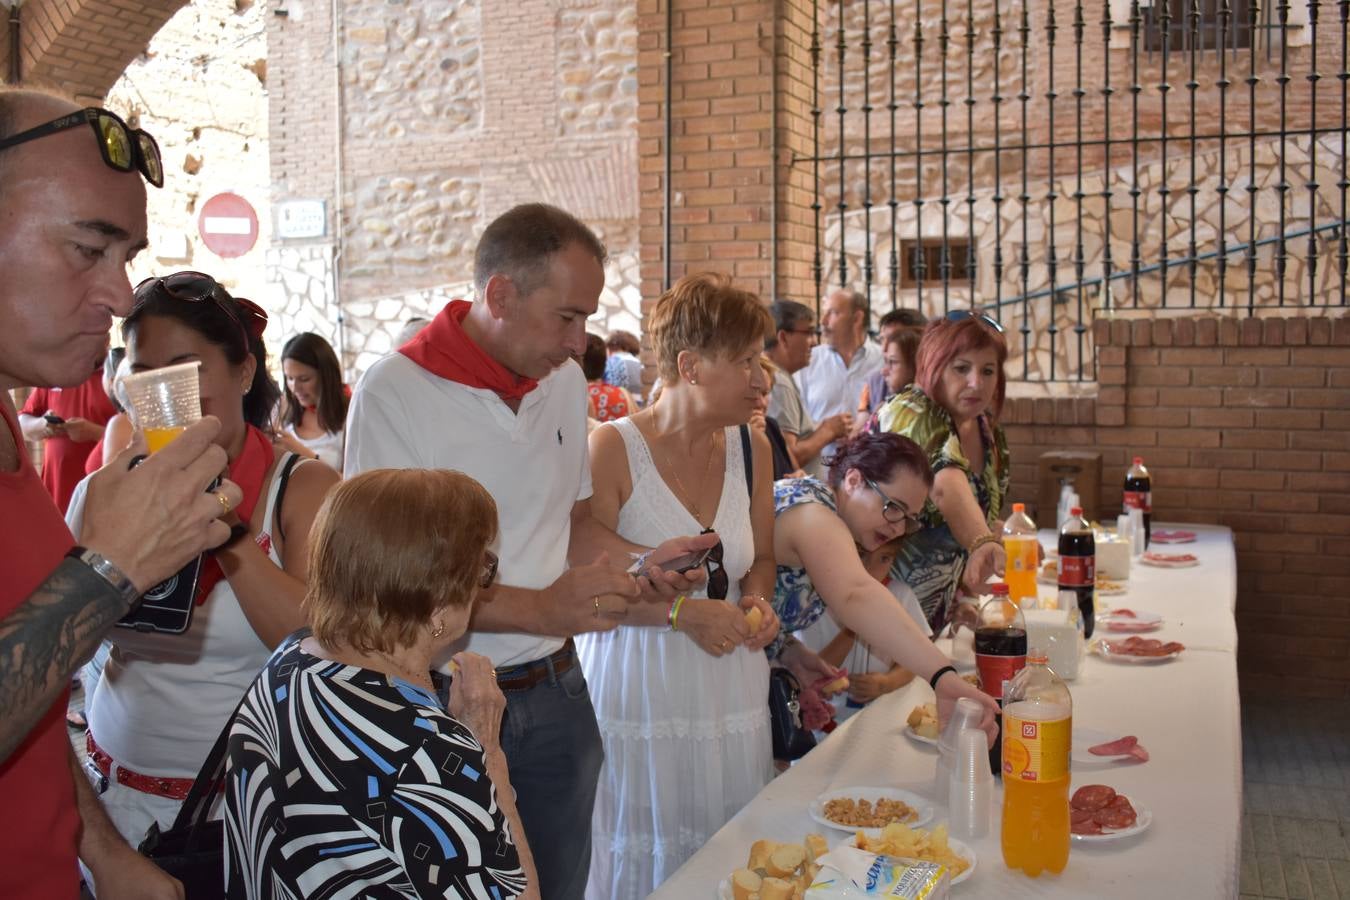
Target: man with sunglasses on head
pixel 72 215
pixel 491 388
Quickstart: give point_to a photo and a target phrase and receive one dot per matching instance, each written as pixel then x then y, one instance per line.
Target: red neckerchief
pixel 248 471
pixel 444 348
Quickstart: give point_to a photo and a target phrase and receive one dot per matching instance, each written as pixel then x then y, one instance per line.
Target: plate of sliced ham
pixel 1129 620
pixel 1092 747
pixel 1169 560
pixel 1171 537
pixel 1137 650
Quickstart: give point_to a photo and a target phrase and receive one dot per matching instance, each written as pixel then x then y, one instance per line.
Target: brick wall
pixel 1244 423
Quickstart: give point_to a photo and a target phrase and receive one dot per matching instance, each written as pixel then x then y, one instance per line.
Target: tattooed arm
pixel 45 640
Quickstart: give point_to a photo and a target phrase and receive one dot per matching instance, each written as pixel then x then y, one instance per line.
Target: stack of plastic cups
pixel 965 716
pixel 970 792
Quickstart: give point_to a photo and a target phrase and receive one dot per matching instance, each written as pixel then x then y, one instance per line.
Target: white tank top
pixel 327 446
pixel 164 698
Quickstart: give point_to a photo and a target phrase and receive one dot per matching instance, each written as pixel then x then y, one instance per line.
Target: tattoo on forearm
pixel 43 641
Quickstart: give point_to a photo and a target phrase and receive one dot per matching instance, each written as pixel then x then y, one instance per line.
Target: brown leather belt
pixel 527 675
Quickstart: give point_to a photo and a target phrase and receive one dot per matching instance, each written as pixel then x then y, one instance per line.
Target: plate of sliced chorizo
pixel 1138 650
pixel 1097 813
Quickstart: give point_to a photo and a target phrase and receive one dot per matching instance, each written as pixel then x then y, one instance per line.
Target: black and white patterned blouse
pixel 346 782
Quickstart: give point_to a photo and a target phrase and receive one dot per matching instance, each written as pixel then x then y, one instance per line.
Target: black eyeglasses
pixel 124 148
pixel 196 287
pixel 718 583
pixel 894 511
pixel 960 315
pixel 489 574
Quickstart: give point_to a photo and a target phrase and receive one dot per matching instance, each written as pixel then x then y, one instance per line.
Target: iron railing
pixel 1070 160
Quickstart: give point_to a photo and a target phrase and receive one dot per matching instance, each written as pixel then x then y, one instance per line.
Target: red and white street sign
pixel 228 225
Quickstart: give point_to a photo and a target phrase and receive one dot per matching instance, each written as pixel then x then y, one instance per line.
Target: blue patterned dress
pixel 794 596
pixel 345 782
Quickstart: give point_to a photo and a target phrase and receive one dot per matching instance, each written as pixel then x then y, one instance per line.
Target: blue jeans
pixel 554 753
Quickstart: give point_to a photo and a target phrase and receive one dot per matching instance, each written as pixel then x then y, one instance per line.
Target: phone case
pixel 167 607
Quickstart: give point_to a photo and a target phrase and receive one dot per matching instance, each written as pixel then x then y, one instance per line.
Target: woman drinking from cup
pixel 951 412
pixel 346 776
pixel 314 417
pixel 164 696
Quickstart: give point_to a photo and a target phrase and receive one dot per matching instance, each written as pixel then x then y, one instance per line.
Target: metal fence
pixel 1054 161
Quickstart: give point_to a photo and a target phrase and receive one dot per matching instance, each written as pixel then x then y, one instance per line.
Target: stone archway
pixel 82 46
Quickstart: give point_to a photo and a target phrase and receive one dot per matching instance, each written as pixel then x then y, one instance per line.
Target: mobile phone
pixel 167 607
pixel 53 419
pixel 680 564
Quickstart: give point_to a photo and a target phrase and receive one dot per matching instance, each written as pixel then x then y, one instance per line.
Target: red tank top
pixel 40 833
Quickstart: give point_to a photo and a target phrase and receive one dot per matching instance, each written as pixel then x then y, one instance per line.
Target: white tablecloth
pixel 1184 712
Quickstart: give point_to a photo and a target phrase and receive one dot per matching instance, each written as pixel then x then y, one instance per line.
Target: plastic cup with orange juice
pixel 163 402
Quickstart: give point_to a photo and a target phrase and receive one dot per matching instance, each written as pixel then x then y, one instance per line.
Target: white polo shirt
pixel 828 386
pixel 533 462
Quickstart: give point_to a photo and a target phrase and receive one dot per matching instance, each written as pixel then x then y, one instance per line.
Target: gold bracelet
pixel 986 538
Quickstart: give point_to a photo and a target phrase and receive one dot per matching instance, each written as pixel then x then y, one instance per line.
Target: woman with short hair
pixel 951 411
pixel 346 777
pixel 680 691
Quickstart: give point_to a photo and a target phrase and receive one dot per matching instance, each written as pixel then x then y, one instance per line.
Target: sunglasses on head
pixel 195 287
pixel 124 148
pixel 960 315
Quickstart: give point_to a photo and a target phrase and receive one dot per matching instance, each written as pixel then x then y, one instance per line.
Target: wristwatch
pixel 105 569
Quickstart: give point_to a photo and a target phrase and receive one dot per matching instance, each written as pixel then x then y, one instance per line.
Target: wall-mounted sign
pixel 301 219
pixel 228 225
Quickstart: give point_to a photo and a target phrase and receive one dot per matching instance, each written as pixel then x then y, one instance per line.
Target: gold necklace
pixel 707 470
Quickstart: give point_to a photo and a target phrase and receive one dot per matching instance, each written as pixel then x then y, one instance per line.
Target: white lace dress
pixel 686 734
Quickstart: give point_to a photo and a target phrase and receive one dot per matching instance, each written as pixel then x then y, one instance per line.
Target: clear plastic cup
pixel 966 715
pixel 163 402
pixel 970 791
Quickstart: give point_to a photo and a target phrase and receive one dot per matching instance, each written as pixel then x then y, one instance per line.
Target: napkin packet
pixel 847 873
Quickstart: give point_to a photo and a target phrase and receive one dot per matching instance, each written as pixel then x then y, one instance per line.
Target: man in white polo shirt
pixel 490 388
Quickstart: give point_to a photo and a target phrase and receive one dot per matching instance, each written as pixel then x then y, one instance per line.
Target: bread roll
pixel 760 851
pixel 775 889
pixel 744 884
pixel 785 861
pixel 816 846
pixel 754 617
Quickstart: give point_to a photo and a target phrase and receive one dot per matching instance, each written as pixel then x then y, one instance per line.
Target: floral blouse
pixel 794 596
pixel 932 561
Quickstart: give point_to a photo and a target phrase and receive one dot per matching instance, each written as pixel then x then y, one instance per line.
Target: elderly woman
pixel 680 690
pixel 346 776
pixel 314 417
pixel 164 695
pixel 877 484
pixel 951 412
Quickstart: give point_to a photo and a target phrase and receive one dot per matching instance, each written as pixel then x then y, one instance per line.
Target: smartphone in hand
pixel 681 564
pixel 54 420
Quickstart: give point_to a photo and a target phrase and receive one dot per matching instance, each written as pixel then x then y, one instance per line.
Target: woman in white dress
pixel 681 693
pixel 314 416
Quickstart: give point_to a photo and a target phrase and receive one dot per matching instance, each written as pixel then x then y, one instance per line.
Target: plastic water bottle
pixel 1020 545
pixel 1038 721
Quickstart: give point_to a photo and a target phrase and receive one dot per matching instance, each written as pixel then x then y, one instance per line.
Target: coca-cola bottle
pixel 1139 494
pixel 1000 652
pixel 1078 568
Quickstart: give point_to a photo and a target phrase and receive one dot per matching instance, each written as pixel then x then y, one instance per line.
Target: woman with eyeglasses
pixel 680 690
pixel 314 416
pixel 877 484
pixel 346 775
pixel 951 411
pixel 164 697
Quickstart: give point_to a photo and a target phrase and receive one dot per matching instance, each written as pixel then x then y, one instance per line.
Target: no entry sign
pixel 228 225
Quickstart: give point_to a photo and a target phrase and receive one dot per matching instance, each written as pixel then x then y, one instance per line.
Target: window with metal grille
pixel 929 250
pixel 1208 32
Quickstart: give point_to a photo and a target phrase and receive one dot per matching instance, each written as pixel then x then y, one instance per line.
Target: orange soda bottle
pixel 1037 734
pixel 1020 545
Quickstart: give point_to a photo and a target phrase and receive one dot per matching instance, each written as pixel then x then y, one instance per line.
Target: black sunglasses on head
pixel 124 148
pixel 196 287
pixel 960 315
